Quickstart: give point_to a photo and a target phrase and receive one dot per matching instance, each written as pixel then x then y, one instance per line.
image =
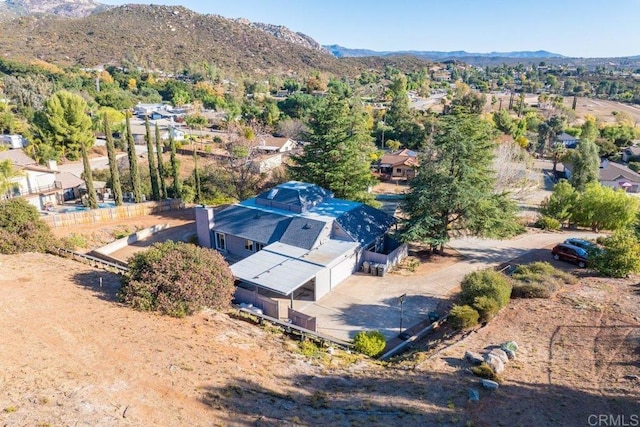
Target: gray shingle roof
pixel 611 171
pixel 251 224
pixel 302 232
pixel 17 157
pixel 365 223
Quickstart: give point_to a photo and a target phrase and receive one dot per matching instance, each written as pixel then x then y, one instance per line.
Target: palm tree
pixel 7 176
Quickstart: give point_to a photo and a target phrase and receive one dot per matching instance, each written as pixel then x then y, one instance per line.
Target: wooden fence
pixel 96 216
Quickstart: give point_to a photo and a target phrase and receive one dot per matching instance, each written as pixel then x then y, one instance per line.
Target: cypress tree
pixel 113 164
pixel 196 176
pixel 162 186
pixel 153 172
pixel 175 168
pixel 133 164
pixel 92 200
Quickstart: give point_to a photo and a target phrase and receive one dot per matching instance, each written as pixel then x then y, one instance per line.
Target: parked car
pixel 571 253
pixel 581 243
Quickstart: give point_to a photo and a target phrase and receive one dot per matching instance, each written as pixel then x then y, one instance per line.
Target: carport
pixel 275 272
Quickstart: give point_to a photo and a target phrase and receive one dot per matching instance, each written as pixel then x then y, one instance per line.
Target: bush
pixel 177 279
pixel 489 283
pixel 486 307
pixel 634 166
pixel 21 229
pixel 463 317
pixel 620 256
pixel 370 343
pixel 548 223
pixel 484 371
pixel 530 290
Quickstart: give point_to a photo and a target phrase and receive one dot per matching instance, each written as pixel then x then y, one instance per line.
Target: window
pixel 259 246
pixel 248 245
pixel 398 170
pixel 221 242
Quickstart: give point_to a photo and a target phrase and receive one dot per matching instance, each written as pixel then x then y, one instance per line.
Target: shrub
pixel 21 229
pixel 463 317
pixel 530 290
pixel 73 241
pixel 486 307
pixel 370 343
pixel 548 223
pixel 484 371
pixel 634 166
pixel 309 348
pixel 620 257
pixel 489 283
pixel 177 279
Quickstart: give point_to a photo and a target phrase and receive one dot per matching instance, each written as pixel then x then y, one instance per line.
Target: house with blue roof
pixel 298 236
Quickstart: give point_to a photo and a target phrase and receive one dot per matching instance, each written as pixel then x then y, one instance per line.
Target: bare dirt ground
pixel 72 355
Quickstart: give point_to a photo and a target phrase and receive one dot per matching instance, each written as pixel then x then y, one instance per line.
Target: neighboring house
pixel 35 183
pixel 630 152
pixel 178 134
pixel 569 141
pixel 402 165
pixel 266 162
pixel 142 110
pixel 274 144
pixel 70 185
pixel 614 175
pixel 13 141
pixel 295 236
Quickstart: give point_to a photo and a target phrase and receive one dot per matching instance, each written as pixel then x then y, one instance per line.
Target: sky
pixel 576 28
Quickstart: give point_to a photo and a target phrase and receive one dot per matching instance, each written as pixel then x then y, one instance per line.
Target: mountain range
pixel 87 33
pixel 344 52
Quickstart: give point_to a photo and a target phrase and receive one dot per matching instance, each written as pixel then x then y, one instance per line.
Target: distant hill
pixel 343 52
pixel 162 37
pixel 10 9
pixel 284 33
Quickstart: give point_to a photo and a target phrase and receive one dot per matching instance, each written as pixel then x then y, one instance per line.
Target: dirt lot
pixel 71 354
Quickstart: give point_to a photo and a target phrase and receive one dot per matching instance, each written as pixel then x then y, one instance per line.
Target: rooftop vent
pixel 272 193
pixel 306 226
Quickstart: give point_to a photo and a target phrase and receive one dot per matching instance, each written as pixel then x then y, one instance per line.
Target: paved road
pixel 370 302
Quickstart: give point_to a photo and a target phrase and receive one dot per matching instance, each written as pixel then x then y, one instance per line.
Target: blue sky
pixel 580 28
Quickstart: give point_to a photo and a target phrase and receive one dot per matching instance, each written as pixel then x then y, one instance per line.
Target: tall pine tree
pixel 153 172
pixel 133 164
pixel 338 156
pixel 113 163
pixel 453 189
pixel 161 174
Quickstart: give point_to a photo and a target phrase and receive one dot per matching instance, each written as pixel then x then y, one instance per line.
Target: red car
pixel 571 253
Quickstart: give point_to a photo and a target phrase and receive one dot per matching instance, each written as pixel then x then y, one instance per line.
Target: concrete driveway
pixel 365 302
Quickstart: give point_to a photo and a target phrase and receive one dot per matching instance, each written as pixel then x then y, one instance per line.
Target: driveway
pixel 364 302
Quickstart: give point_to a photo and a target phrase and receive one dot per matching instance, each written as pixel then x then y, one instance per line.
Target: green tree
pixel 586 164
pixel 153 171
pixel 590 129
pixel 161 174
pixel 8 173
pixel 22 229
pixel 175 168
pixel 370 343
pixel 196 177
pixel 177 279
pixel 603 208
pixel 92 198
pixel 620 257
pixel 452 191
pixel 339 153
pixel 64 124
pixel 113 163
pixel 136 184
pixel 562 202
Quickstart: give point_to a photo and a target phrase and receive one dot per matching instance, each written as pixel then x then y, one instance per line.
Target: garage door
pixel 343 270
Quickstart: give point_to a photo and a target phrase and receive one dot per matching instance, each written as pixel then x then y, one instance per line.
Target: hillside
pixel 10 9
pixel 161 37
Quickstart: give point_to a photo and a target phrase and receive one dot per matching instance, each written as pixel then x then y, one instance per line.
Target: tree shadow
pixel 105 285
pixel 400 396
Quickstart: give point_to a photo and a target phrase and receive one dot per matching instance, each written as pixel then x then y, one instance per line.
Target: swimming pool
pixel 104 205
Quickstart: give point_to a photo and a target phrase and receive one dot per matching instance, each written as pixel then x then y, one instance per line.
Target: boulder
pixel 494 362
pixel 473 358
pixel 510 354
pixel 474 395
pixel 491 385
pixel 501 354
pixel 509 345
